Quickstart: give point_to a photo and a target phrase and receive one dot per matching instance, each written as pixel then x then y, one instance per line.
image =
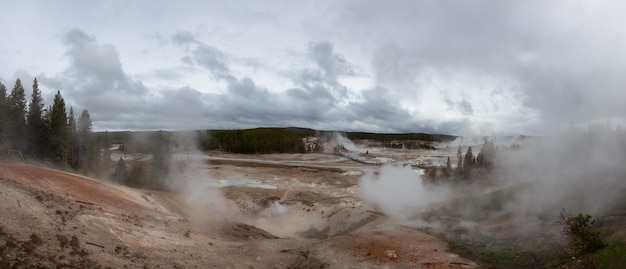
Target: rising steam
pixel 584 171
pixel 189 175
pixel 580 172
pixel 399 191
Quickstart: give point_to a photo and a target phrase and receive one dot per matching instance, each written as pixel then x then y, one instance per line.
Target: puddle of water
pixel 245 182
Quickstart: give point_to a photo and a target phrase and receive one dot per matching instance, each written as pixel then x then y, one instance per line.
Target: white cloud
pixel 478 67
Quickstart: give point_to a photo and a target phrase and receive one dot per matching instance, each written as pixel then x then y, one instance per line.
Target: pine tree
pixel 58 129
pixel 17 117
pixel 468 163
pixel 459 157
pixel 36 124
pixel 71 121
pixel 73 157
pixel 447 171
pixel 46 117
pixel 480 159
pixel 4 110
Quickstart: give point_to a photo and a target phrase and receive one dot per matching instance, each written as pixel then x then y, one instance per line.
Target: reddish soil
pixel 50 218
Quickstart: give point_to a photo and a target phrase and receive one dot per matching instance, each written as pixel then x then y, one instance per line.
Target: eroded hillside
pixel 51 218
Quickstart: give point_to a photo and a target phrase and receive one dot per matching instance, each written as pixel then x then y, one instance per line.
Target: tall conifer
pixel 36 124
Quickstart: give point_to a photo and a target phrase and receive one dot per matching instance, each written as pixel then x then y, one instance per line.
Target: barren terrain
pixel 290 211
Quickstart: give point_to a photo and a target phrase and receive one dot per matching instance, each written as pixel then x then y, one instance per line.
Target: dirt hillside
pixel 50 218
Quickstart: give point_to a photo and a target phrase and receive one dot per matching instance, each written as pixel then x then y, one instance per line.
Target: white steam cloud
pixel 337 139
pixel 399 191
pixel 582 172
pixel 189 175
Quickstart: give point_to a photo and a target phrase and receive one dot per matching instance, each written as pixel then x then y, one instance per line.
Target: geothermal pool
pixel 245 182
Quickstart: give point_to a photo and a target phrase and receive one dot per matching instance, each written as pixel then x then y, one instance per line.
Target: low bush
pixel 582 236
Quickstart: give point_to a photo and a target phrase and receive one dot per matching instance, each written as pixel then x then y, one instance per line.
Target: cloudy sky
pixel 457 67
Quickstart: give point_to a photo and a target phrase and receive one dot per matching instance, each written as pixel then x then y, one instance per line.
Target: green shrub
pixel 582 236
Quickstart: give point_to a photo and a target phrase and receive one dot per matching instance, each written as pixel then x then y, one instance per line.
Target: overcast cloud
pixel 458 67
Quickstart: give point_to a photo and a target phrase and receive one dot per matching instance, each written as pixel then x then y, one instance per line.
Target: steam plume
pixel 580 172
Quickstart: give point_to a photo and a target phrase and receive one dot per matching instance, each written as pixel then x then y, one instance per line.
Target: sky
pixel 469 67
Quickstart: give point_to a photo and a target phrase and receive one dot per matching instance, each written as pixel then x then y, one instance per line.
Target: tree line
pixel 400 137
pixel 51 134
pixel 468 165
pixel 259 140
pixel 292 140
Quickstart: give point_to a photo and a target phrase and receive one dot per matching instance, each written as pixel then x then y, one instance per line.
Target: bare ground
pixel 50 218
